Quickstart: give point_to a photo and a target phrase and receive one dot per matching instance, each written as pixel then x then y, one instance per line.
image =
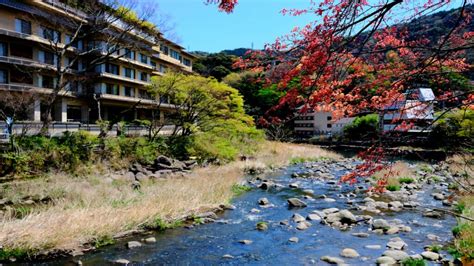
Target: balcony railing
pixel 25 62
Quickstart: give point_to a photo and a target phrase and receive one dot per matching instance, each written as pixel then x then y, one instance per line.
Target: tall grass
pixel 94 207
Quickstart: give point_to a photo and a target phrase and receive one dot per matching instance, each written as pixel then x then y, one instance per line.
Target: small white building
pixel 319 123
pixel 414 109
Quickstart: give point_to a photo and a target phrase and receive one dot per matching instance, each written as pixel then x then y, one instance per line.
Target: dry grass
pixel 395 172
pixel 93 207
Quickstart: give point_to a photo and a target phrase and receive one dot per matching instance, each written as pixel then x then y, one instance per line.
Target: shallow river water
pixel 207 244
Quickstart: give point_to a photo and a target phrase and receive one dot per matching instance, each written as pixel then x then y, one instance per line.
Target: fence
pixel 58 129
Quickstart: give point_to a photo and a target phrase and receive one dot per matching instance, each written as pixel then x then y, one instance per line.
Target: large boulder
pixel 397 255
pixel 349 253
pixel 163 160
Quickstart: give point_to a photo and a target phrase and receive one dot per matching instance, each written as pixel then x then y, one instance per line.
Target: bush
pixel 363 128
pixel 393 187
pixel 413 262
pixel 455 128
pixel 406 180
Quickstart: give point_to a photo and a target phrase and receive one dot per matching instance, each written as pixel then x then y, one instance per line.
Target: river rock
pixel 262 226
pixel 433 237
pixel 263 201
pixel 246 241
pixel 227 256
pixel 392 230
pixel 380 224
pixel 397 255
pixel 133 244
pixel 349 253
pixel 429 255
pixel 150 240
pixel 346 217
pixel 433 214
pixel 313 217
pixel 294 185
pixel 373 246
pixel 361 235
pixel 438 196
pixel 122 261
pixel 303 225
pixel 332 260
pixel 330 210
pixel 397 244
pixel 329 200
pixel 294 239
pixel 284 222
pixel 385 260
pixel 296 203
pixel 265 185
pixel 297 218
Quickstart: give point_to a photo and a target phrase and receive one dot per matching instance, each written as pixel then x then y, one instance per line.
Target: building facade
pixel 113 87
pixel 319 124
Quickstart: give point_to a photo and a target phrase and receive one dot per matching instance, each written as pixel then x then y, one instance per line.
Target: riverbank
pixel 64 214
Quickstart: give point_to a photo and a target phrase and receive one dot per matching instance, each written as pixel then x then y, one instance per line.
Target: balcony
pixel 24 87
pixel 132 99
pixel 122 78
pixel 25 62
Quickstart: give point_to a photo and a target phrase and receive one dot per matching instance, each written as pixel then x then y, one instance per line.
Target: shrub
pixel 413 262
pixel 406 180
pixel 393 187
pixel 364 127
pixel 238 189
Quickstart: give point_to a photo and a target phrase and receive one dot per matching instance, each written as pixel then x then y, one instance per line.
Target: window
pixel 329 125
pixel 112 69
pixel 20 50
pixel 22 26
pixel 51 35
pixel 3 49
pixel 144 94
pixel 75 64
pixel 175 54
pixel 153 64
pixel 129 54
pixel 17 76
pixel 143 58
pixel 112 89
pixel 329 118
pixel 162 69
pixel 143 76
pixel 3 76
pixel 164 49
pixel 49 58
pixel 73 113
pixel 47 82
pixel 74 86
pixel 128 91
pixel 187 62
pixel 129 73
pixel 76 43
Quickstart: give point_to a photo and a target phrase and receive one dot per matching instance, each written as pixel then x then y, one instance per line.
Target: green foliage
pixel 131 16
pixel 363 128
pixel 159 224
pixel 460 207
pixel 406 180
pixel 455 128
pixel 435 248
pixel 216 65
pixel 17 253
pixel 104 240
pixel 238 189
pixel 458 229
pixel 413 262
pixel 393 187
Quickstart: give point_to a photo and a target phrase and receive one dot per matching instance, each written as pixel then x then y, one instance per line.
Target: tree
pixel 110 32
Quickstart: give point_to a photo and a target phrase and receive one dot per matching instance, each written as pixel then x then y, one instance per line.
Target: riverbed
pixel 221 242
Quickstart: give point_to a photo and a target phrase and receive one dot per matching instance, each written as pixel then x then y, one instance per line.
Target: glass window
pixel 329 118
pixel 51 35
pixel 3 76
pixel 17 76
pixel 129 54
pixel 143 76
pixel 112 69
pixel 49 58
pixel 112 89
pixel 329 125
pixel 20 50
pixel 128 91
pixel 74 113
pixel 129 73
pixel 143 58
pixel 22 26
pixel 3 49
pixel 187 62
pixel 153 63
pixel 47 82
pixel 175 55
pixel 164 49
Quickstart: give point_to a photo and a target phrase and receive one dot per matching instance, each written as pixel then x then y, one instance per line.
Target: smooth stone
pixel 392 230
pixel 397 255
pixel 133 244
pixel 438 196
pixel 227 256
pixel 349 253
pixel 294 185
pixel 362 235
pixel 380 224
pixel 297 218
pixel 262 226
pixel 254 210
pixel 284 222
pixel 332 260
pixel 433 237
pixel 429 255
pixel 246 241
pixel 303 225
pixel 122 261
pixel 313 217
pixel 330 210
pixel 294 239
pixel 297 203
pixel 385 260
pixel 373 246
pixel 263 201
pixel 398 245
pixel 150 240
pixel 329 200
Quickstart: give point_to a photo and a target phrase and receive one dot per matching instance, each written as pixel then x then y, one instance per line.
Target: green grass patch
pixel 238 189
pixel 435 248
pixel 17 253
pixel 159 224
pixel 104 240
pixel 406 180
pixel 393 187
pixel 413 262
pixel 299 160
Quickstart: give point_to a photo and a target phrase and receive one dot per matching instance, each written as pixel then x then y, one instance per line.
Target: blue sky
pixel 202 27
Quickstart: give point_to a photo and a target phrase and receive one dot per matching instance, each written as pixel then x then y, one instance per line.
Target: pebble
pixel 385 260
pixel 122 261
pixel 246 241
pixel 227 256
pixel 294 239
pixel 133 244
pixel 150 240
pixel 303 225
pixel 373 246
pixel 349 253
pixel 297 218
pixel 297 203
pixel 332 260
pixel 397 255
pixel 362 235
pixel 263 201
pixel 429 255
pixel 313 217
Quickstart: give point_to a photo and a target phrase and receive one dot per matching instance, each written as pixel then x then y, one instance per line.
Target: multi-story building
pixel 116 86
